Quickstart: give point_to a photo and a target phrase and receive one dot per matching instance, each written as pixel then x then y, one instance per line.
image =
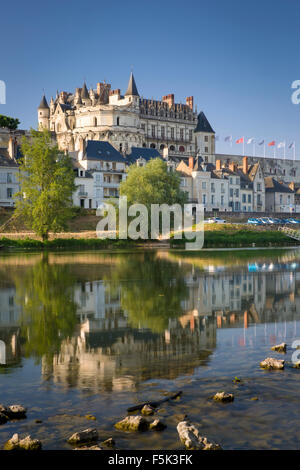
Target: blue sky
pixel 238 59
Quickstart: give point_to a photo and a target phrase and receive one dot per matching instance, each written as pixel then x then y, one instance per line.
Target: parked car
pixel 294 221
pixel 215 220
pixel 264 220
pixel 254 221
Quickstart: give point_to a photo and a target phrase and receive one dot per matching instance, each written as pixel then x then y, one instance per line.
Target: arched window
pixel 181 148
pixel 152 146
pixel 118 121
pixel 172 148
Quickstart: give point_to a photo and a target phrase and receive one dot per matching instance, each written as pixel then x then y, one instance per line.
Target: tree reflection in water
pixel 46 293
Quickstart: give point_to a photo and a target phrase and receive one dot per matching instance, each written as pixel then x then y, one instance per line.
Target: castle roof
pixel 43 103
pixel 101 150
pixel 142 152
pixel 5 159
pixel 84 92
pixel 203 124
pixel 131 89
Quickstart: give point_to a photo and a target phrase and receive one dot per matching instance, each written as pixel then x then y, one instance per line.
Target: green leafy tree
pixel 9 122
pixel 46 185
pixel 152 184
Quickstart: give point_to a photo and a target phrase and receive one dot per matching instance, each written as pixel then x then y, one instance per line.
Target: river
pixel 94 333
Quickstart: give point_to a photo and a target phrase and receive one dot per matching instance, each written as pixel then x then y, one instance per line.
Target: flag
pixel 240 141
pixel 250 141
pixel 228 138
pixel 261 142
pixel 292 145
pixel 281 145
pixel 271 144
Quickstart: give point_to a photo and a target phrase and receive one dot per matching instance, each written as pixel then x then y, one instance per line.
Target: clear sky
pixel 237 58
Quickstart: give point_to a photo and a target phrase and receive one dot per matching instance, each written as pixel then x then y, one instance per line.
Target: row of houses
pixel 223 186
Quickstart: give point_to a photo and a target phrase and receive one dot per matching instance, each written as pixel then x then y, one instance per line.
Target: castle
pixel 127 121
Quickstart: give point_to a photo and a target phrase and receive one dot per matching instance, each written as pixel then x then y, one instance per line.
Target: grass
pixel 233 236
pixel 63 243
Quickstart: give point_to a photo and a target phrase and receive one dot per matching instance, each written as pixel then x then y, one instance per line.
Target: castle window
pixel 172 132
pixel 152 146
pixel 121 147
pixel 144 144
pixel 162 130
pixel 118 121
pixel 206 149
pixel 172 148
pixel 181 148
pixel 153 131
pixel 181 134
pixel 206 138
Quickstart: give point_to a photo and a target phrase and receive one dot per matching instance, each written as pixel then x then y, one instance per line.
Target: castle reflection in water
pixel 109 349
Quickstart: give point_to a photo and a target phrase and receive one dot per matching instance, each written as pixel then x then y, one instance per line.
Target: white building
pixel 8 174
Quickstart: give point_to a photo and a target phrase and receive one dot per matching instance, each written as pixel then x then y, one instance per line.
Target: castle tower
pixel 85 97
pixel 205 138
pixel 43 114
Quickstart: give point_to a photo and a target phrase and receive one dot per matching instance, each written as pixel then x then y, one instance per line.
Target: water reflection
pixel 110 322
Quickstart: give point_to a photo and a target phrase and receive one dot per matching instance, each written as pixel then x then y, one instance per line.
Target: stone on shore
pixel 15 443
pixel 223 397
pixel 147 410
pixel 133 423
pixel 88 435
pixel 157 425
pixel 272 364
pixel 190 437
pixel 279 348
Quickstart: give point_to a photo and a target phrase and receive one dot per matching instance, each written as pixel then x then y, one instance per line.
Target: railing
pixel 82 194
pixel 290 232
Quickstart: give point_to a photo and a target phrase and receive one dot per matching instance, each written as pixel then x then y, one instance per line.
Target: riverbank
pixel 240 238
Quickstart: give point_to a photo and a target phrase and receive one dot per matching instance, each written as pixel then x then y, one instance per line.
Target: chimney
pixel 218 165
pixel 232 166
pixel 82 148
pixel 191 162
pixel 11 147
pixel 169 99
pixel 292 186
pixel 190 102
pixel 245 165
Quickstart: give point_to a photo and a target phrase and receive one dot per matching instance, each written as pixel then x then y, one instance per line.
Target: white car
pixel 215 220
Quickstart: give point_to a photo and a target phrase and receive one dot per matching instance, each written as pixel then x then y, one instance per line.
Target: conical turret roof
pixel 84 92
pixel 131 89
pixel 43 103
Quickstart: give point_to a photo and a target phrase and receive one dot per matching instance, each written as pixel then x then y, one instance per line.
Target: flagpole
pixel 243 146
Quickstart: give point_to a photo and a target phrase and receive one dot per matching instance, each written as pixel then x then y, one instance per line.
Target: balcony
pixel 83 194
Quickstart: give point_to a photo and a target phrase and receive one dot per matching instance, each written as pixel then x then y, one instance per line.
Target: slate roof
pixel 274 186
pixel 131 89
pixel 142 152
pixel 84 92
pixel 43 103
pixel 101 150
pixel 5 160
pixel 203 124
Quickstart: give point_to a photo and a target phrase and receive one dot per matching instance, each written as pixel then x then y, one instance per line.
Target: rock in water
pixel 190 437
pixel 224 397
pixel 88 435
pixel 147 410
pixel 3 418
pixel 109 442
pixel 88 448
pixel 271 363
pixel 15 443
pixel 279 348
pixel 157 425
pixel 16 412
pixel 133 423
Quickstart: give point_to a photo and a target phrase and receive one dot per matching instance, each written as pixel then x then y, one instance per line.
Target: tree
pixel 9 122
pixel 46 185
pixel 152 184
